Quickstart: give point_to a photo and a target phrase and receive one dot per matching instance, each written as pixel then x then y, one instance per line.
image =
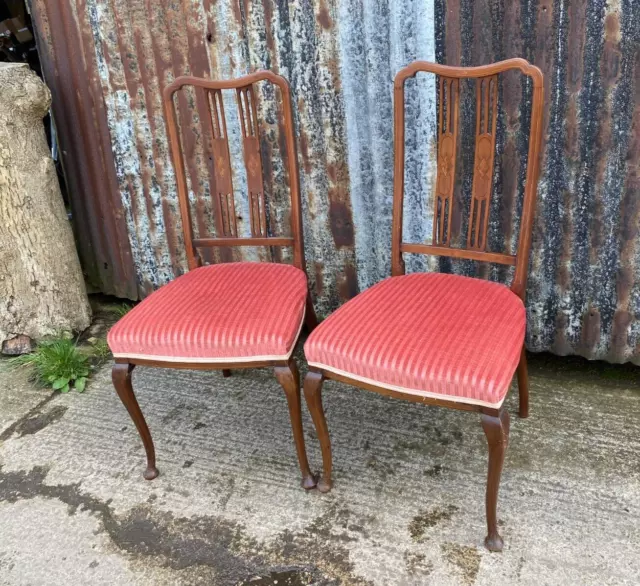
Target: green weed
pixel 57 364
pixel 100 351
pixel 121 310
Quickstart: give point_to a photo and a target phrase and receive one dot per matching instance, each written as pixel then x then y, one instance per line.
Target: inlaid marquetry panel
pixel 223 189
pixel 252 159
pixel 486 118
pixel 446 171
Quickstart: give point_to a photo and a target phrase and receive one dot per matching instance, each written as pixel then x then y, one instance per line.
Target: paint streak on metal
pixel 107 62
pixel 377 39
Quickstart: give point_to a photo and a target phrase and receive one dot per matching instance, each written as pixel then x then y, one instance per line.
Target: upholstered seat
pixel 437 335
pixel 234 312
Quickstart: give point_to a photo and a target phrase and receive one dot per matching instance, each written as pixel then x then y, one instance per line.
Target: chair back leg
pixel 310 319
pixel 121 376
pixel 497 431
pixel 313 396
pixel 289 378
pixel 523 385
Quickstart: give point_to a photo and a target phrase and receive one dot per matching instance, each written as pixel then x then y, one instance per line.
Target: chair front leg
pixel 523 385
pixel 226 372
pixel 289 378
pixel 121 376
pixel 497 431
pixel 313 396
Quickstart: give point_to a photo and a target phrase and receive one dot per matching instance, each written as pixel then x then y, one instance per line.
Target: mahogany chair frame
pixel 495 422
pixel 286 371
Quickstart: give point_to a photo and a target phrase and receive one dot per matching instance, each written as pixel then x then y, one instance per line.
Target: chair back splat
pixel 220 165
pixel 486 80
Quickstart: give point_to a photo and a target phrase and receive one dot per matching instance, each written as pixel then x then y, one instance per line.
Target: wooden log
pixel 42 290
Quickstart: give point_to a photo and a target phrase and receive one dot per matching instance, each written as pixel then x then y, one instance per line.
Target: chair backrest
pixel 222 185
pixel 486 81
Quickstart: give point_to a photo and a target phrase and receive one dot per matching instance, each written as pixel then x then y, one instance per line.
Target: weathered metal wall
pixel 108 60
pixel 67 55
pixel 584 288
pixel 339 60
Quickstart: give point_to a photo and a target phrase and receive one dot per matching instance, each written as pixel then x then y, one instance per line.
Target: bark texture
pixel 42 289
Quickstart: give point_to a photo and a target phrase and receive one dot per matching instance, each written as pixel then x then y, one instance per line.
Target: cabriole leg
pixel 497 431
pixel 313 396
pixel 121 376
pixel 289 377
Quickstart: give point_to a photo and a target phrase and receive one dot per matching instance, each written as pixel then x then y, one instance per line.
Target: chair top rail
pixel 225 84
pixel 471 72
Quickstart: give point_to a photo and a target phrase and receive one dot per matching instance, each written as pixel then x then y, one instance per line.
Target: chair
pixel 229 315
pixel 436 338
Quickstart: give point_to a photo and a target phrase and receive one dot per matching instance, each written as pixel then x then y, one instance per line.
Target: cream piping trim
pixel 398 389
pixel 221 360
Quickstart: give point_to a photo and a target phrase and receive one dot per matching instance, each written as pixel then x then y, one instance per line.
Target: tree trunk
pixel 42 289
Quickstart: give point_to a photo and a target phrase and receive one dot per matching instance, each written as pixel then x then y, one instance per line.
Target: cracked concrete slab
pixel 408 502
pixel 17 395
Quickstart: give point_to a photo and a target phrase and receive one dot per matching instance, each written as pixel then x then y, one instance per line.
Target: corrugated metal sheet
pixel 584 288
pixel 68 61
pixel 340 62
pixel 108 60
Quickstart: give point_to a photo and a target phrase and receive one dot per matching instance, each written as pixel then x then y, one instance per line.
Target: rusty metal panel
pixel 340 59
pixel 67 56
pixel 584 286
pixel 108 61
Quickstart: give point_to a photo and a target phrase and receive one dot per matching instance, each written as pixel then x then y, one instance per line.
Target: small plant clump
pixel 100 351
pixel 57 364
pixel 121 310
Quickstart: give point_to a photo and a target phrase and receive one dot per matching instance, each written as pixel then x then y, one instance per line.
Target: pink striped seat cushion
pixel 436 335
pixel 229 312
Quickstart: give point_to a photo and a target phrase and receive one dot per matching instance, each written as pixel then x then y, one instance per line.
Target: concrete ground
pixel 408 502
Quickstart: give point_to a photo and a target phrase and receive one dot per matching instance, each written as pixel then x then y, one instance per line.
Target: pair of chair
pixel 434 338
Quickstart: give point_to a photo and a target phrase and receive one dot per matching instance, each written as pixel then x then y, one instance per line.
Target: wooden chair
pixel 435 338
pixel 228 315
